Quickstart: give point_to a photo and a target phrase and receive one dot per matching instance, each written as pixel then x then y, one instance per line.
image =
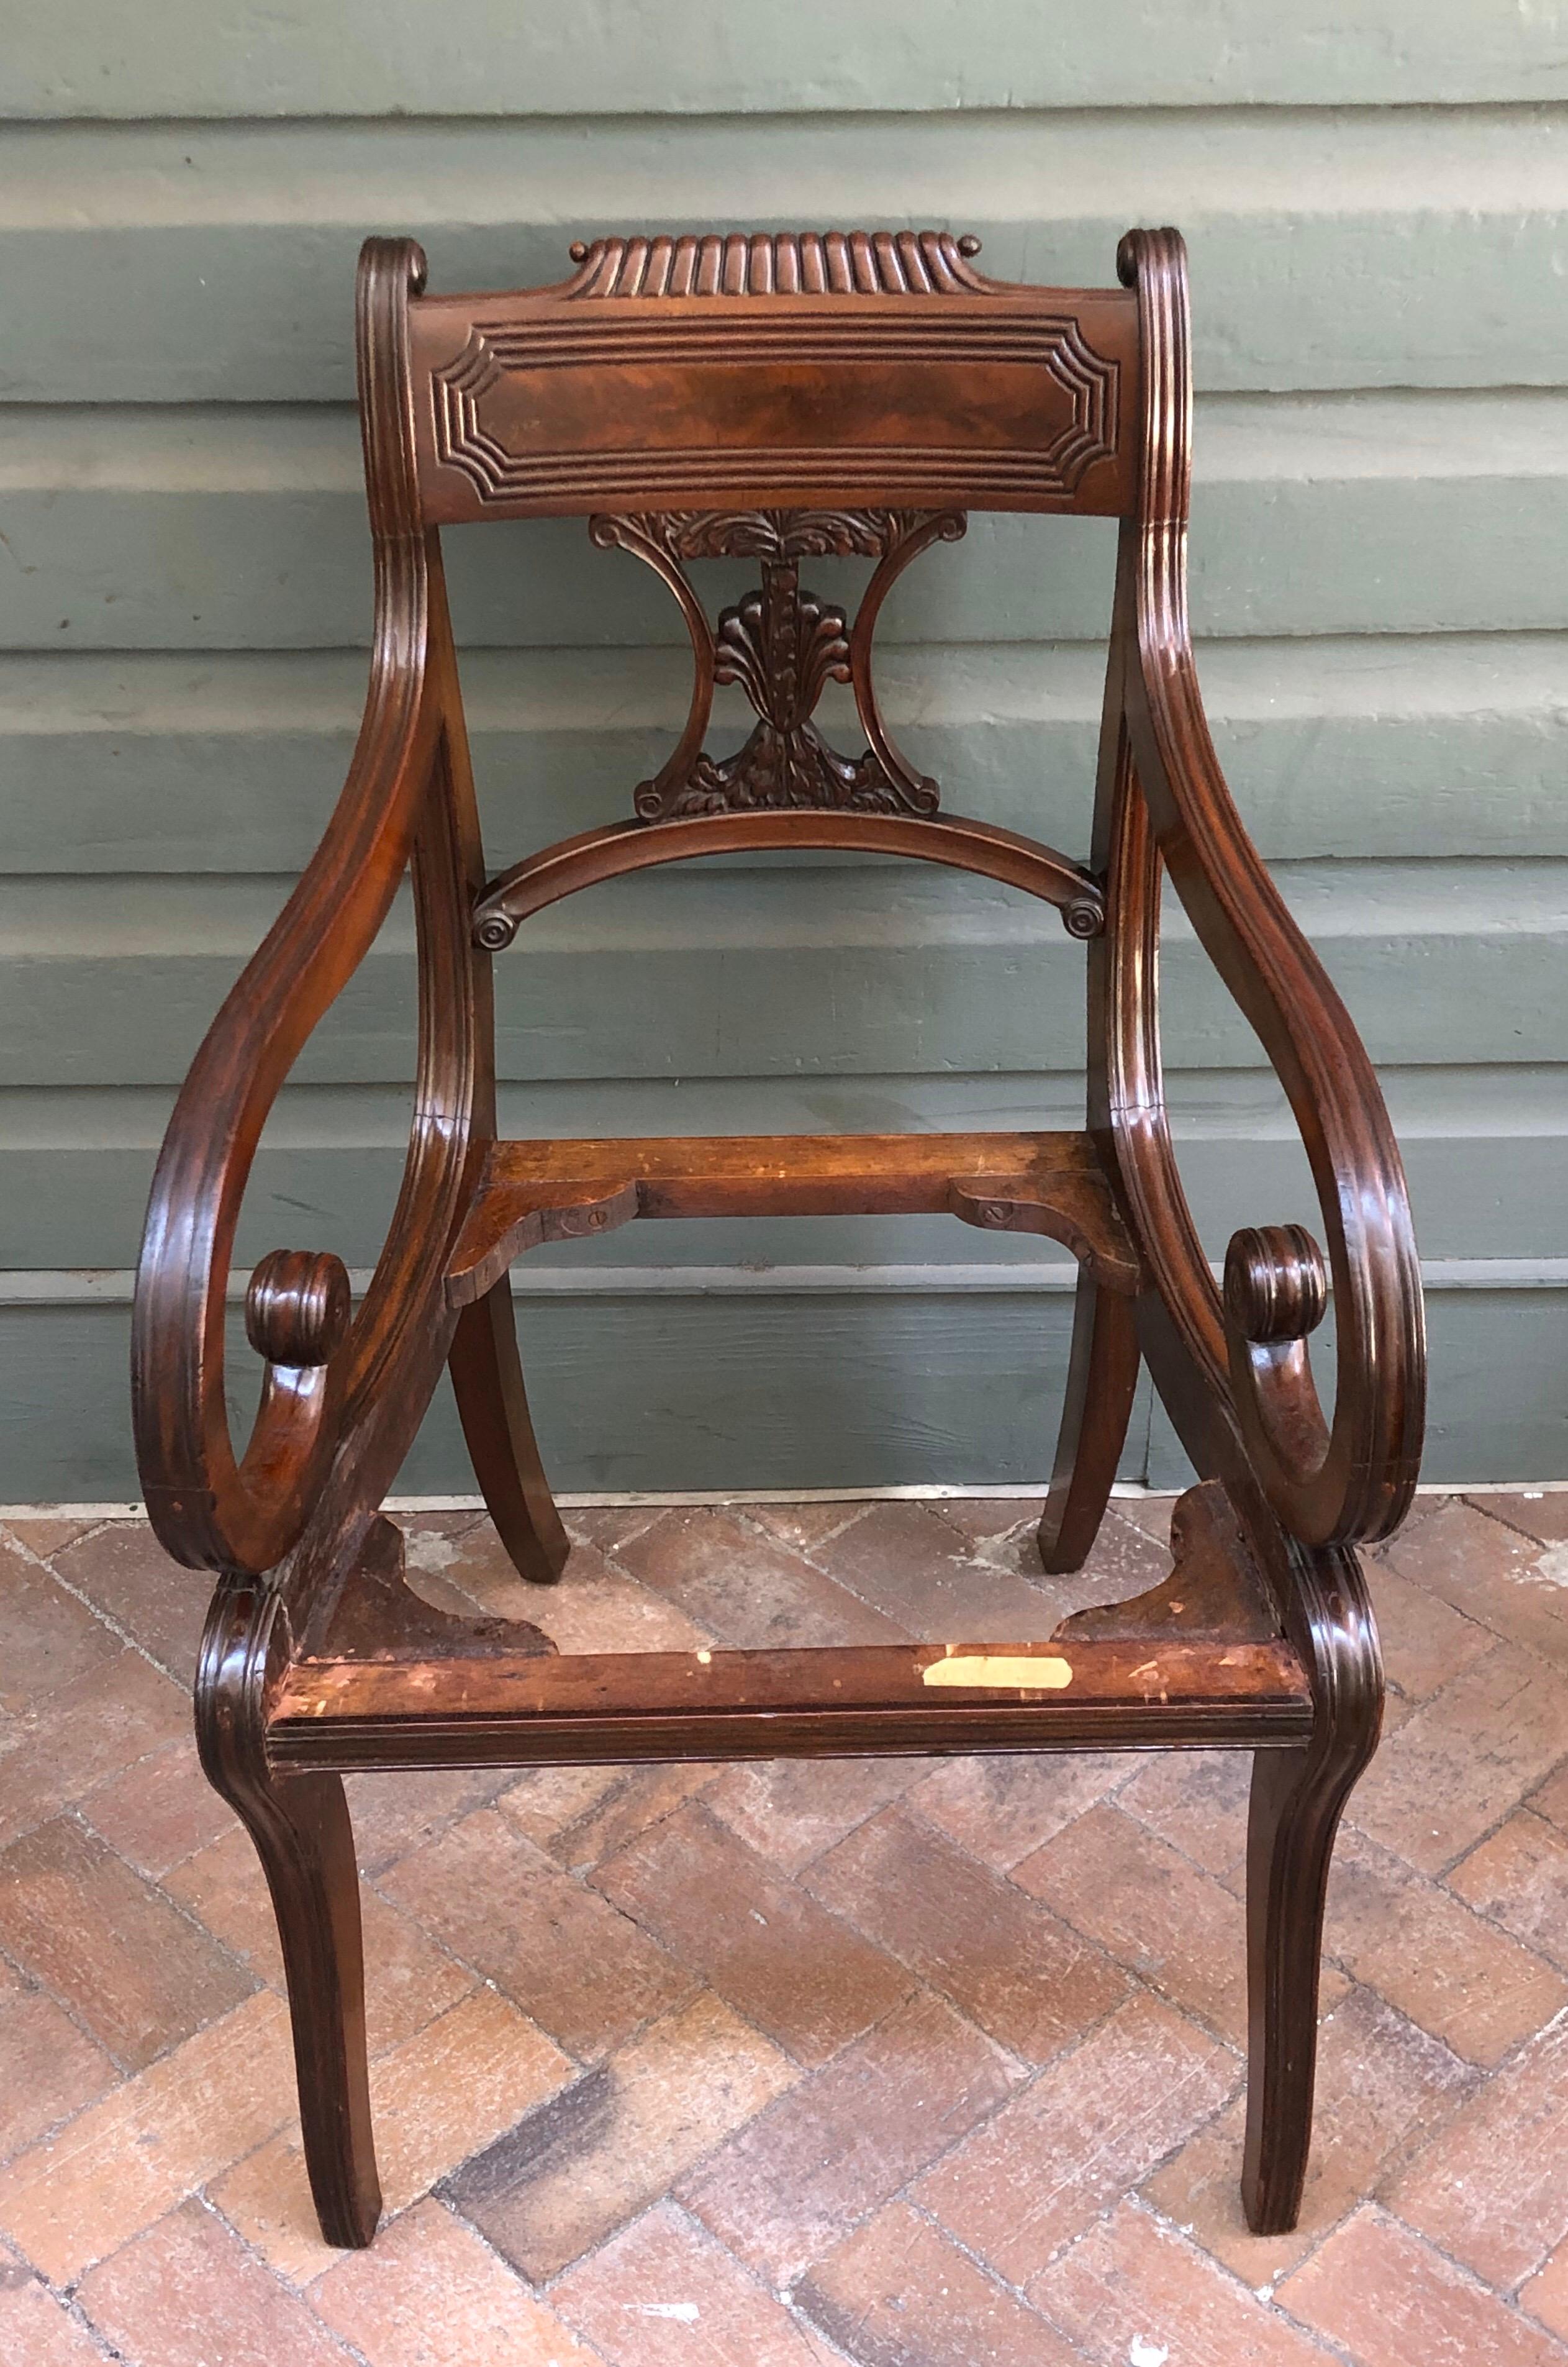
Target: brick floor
pixel 909 2064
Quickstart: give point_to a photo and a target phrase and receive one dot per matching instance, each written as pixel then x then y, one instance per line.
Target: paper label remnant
pixel 1006 1671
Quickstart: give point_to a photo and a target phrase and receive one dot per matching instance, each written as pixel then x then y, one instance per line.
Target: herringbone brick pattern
pixel 903 2064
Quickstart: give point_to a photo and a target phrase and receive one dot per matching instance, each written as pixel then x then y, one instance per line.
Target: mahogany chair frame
pixel 764 396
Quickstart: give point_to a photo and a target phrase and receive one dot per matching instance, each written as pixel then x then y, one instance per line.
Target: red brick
pixel 1127 1558
pixel 1094 2122
pixel 1492 1574
pixel 1546 2295
pixel 782 2190
pixel 49 2070
pixel 748 1592
pixel 802 1528
pixel 1131 2287
pixel 1552 1799
pixel 595 1607
pixel 583 1972
pixel 1543 1515
pixel 598 1607
pixel 45 1535
pixel 187 2294
pixel 915 1569
pixel 36 2331
pixel 160 1811
pixel 89 1728
pixel 1383 2087
pixel 1386 2296
pixel 566 2175
pixel 1491 2187
pixel 1424 1641
pixel 1001 1808
pixel 431 2294
pixel 46 1635
pixel 1427 1953
pixel 807 1979
pixel 122 2163
pixel 995 1528
pixel 579 1815
pixel 124 1572
pixel 408 1979
pixel 1174 1926
pixel 137 1972
pixel 1029 1981
pixel 395 1814
pixel 456 2085
pixel 1195 1800
pixel 1519 1878
pixel 790 1810
pixel 1150 1513
pixel 1465 1760
pixel 607 1525
pixel 900 2294
pixel 662 2293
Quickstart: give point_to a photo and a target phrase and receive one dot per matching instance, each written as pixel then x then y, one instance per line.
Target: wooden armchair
pixel 779 398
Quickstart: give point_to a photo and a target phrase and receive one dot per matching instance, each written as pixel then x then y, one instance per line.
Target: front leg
pixel 1298 1798
pixel 301 1827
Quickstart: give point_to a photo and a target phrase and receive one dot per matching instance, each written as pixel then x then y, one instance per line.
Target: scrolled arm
pixel 211 1508
pixel 1351 1478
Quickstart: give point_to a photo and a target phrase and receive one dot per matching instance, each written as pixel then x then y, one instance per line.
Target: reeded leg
pixel 1101 1376
pixel 487 1377
pixel 301 1830
pixel 1297 1797
pixel 299 1824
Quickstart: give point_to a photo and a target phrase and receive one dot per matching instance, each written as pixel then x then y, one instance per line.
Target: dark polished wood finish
pixel 783 398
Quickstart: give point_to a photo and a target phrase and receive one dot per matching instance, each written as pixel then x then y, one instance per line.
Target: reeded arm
pixel 1329 1481
pixel 210 1507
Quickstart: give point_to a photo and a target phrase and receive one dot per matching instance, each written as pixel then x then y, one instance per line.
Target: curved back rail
pixel 951 839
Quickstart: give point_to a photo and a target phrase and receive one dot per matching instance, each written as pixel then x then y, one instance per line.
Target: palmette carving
pixel 782 646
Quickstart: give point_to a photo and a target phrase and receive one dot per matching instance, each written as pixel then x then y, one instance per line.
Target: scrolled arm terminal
pixel 1276 1283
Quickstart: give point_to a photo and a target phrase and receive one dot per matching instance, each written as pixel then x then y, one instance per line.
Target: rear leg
pixel 1102 1375
pixel 487 1378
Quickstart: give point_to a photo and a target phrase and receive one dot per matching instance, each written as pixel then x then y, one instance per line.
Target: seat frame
pixel 771 385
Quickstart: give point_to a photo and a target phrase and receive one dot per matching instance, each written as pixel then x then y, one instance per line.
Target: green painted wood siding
pixel 1378 218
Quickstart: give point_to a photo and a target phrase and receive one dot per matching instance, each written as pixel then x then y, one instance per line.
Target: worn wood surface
pixel 1039 1184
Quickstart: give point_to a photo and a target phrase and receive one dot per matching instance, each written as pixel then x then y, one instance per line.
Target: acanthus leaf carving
pixel 782 646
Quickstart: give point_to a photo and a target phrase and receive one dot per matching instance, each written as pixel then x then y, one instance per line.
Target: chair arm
pixel 210 1509
pixel 1329 1483
pixel 1351 1478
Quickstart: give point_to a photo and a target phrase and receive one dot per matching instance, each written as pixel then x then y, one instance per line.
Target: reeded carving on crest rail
pixel 781 263
pixel 782 646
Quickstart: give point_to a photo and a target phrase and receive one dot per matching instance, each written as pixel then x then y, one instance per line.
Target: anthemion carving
pixel 782 646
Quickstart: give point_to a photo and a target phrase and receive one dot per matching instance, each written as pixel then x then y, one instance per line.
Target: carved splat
pixel 782 646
